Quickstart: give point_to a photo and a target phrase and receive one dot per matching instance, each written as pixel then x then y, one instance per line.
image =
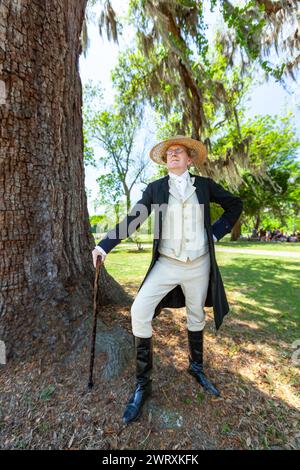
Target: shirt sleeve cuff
pixel 101 250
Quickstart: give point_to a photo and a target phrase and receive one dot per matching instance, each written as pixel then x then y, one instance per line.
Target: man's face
pixel 177 158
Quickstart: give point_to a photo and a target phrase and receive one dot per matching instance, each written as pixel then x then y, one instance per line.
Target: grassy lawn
pixel 128 266
pixel 270 246
pixel 265 291
pixel 262 291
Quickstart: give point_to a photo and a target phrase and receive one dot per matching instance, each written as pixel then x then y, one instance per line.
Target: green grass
pixel 264 290
pixel 270 246
pixel 127 265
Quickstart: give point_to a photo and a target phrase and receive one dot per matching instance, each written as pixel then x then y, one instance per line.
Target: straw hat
pixel 159 150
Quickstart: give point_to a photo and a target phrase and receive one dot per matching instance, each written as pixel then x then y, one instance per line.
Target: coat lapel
pixel 190 188
pixel 164 193
pixel 197 183
pixel 173 190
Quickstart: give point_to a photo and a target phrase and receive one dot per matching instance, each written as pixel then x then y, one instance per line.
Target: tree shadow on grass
pixel 265 293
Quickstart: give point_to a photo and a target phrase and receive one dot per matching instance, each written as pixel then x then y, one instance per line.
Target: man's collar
pixel 184 175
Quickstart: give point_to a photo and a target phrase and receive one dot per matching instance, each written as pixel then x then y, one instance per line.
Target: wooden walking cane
pixel 94 330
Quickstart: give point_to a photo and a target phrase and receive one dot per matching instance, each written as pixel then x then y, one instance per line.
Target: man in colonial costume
pixel 183 270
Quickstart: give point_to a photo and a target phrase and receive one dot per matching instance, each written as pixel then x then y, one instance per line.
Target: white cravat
pixel 180 181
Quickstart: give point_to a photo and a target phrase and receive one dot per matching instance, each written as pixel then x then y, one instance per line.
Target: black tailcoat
pixel 157 193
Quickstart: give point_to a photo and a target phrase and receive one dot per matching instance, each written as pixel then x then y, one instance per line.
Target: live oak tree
pixel 46 265
pixel 268 32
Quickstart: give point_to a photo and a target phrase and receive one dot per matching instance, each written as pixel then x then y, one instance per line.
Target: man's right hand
pixel 96 253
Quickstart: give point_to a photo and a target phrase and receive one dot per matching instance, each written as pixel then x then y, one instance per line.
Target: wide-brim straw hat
pixel 159 150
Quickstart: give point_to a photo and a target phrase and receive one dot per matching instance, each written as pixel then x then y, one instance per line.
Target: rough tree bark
pixel 46 265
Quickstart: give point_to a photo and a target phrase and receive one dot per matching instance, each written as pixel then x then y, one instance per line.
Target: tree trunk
pixel 257 220
pixel 46 264
pixel 236 231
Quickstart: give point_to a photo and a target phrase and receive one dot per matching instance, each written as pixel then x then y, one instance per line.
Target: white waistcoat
pixel 183 232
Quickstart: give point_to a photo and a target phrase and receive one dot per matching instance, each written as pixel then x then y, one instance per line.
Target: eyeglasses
pixel 177 151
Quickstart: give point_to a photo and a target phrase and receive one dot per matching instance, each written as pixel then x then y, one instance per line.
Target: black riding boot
pixel 143 388
pixel 196 362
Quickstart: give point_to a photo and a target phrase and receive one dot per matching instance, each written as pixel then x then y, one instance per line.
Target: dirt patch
pixel 45 403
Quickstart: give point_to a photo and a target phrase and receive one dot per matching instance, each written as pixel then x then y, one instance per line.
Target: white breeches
pixel 167 273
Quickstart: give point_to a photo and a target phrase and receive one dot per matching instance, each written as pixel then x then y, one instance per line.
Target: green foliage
pixel 114 129
pixel 249 22
pixel 110 188
pixel 88 151
pixel 97 219
pixel 273 148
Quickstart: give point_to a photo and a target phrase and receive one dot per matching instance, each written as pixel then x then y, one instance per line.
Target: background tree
pixel 264 30
pixel 172 55
pixel 110 193
pixel 116 131
pixel 274 146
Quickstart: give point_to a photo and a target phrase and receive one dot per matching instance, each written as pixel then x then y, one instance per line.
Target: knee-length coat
pixel 156 195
